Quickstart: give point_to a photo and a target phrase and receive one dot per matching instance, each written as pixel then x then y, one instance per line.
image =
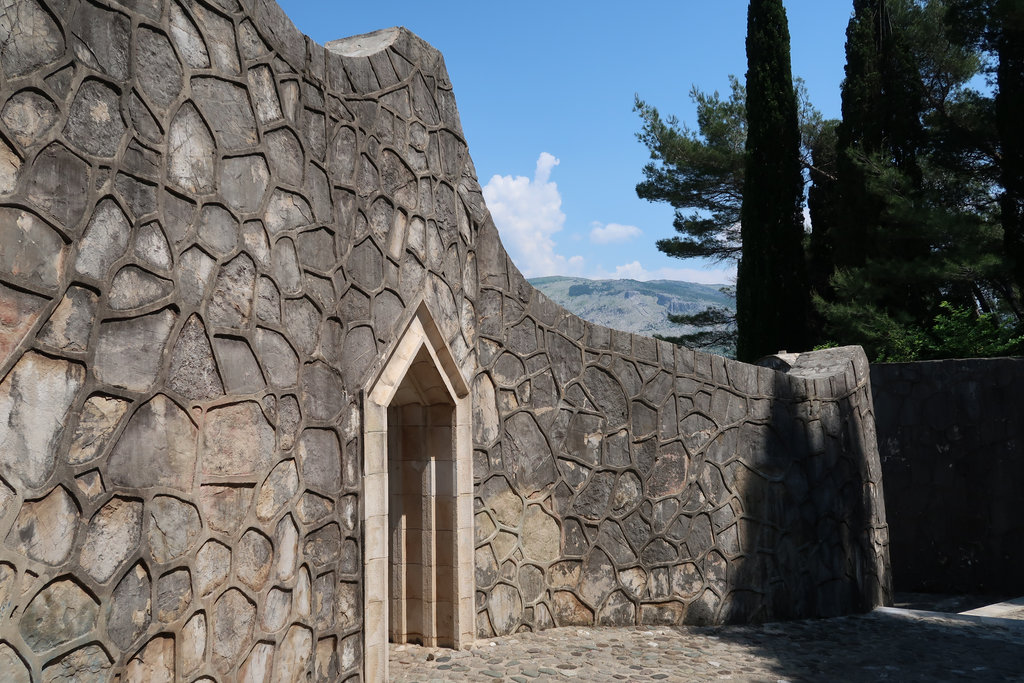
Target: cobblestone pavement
pixel 893 645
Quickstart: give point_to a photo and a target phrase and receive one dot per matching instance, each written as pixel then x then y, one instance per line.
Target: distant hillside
pixel 630 305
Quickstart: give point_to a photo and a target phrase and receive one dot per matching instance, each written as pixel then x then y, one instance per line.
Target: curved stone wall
pixel 212 231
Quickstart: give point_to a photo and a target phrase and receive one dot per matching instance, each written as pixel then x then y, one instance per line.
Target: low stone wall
pixel 951 440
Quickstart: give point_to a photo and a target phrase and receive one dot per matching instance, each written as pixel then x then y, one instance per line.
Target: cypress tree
pixel 772 298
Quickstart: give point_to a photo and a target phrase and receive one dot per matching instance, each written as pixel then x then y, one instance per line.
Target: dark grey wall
pixel 951 439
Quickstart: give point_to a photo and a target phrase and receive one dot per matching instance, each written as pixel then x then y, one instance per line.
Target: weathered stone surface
pixel 259 663
pixel 280 487
pixel 130 609
pixel 19 312
pixel 69 326
pixel 285 156
pixel 322 391
pixel 231 303
pixel 89 664
pixel 274 609
pixel 151 247
pixel 320 457
pixel 134 287
pixel 157 448
pixel 224 507
pixel 253 556
pixel 302 319
pixel 505 608
pixel 528 455
pixel 238 366
pixel 94 123
pixel 59 183
pixel 226 106
pixel 325 547
pixel 104 241
pixel 541 535
pixel 243 181
pixel 234 617
pixel 113 535
pixel 13 665
pixel 33 251
pixel 192 152
pixel 105 40
pixel 187 39
pixel 193 644
pixel 286 543
pixel 129 353
pixel 29 115
pixel 173 595
pixel 174 528
pixel 294 654
pixel 195 273
pixel 218 230
pixel 35 398
pixel 10 167
pixel 277 357
pixel 45 529
pixel 193 372
pixel 286 211
pixel 96 425
pixel 30 38
pixel 264 95
pixel 153 664
pixel 237 440
pixel 499 497
pixel 60 613
pixel 158 71
pixel 213 562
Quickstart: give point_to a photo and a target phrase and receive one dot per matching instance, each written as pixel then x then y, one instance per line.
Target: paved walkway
pixel 886 645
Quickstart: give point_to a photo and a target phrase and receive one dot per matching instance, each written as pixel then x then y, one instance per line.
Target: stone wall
pixel 212 230
pixel 950 435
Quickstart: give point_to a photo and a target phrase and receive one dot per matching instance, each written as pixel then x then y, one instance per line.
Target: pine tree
pixel 771 287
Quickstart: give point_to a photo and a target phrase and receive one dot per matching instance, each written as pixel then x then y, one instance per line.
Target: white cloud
pixel 635 271
pixel 613 233
pixel 528 213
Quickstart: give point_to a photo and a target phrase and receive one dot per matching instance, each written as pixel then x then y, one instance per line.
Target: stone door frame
pixel 421 332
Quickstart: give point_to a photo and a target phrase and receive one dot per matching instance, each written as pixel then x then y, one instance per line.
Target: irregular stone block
pixel 105 240
pixel 505 607
pixel 133 287
pixel 31 38
pixel 279 488
pixel 237 440
pixel 541 537
pixel 89 664
pixel 259 663
pixel 224 507
pixel 29 115
pixel 10 167
pixel 95 124
pixel 174 527
pixel 528 456
pixel 193 371
pixel 195 274
pixel 130 609
pixel 69 326
pixel 320 456
pixel 264 94
pixel 218 229
pixel 324 547
pixel 187 39
pixel 234 618
pixel 226 106
pixel 173 595
pixel 107 40
pixel 151 246
pixel 286 157
pixel 323 391
pixel 33 251
pixel 213 563
pixel 113 535
pixel 35 399
pixel 46 529
pixel 232 300
pixel 243 182
pixel 286 541
pixel 157 448
pixel 193 644
pixel 153 664
pixel 294 654
pixel 286 211
pixel 58 614
pixel 253 556
pixel 192 152
pixel 157 68
pixel 18 314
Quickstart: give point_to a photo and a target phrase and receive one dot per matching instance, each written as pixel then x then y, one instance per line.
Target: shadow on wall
pixel 951 440
pixel 813 544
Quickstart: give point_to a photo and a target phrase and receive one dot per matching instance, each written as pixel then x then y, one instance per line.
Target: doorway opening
pixel 418 500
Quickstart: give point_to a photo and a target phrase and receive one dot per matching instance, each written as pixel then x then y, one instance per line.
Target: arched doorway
pixel 418 499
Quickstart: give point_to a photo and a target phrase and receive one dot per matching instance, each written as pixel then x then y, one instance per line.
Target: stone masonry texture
pixel 950 435
pixel 212 230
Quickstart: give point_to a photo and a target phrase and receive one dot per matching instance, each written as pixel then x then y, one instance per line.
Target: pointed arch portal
pixel 418 499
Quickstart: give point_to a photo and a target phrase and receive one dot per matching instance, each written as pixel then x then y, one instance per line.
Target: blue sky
pixel 545 91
